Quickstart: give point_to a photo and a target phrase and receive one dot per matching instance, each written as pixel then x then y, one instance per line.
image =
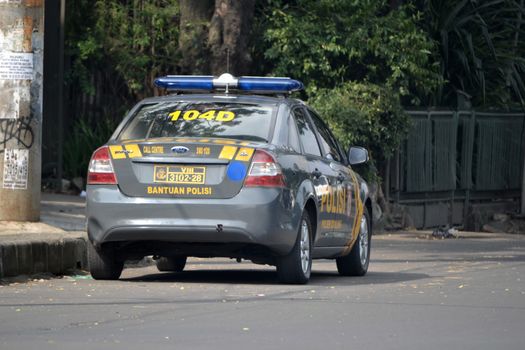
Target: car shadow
pixel 269 277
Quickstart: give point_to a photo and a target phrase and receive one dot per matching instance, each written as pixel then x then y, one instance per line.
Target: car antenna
pixel 227 65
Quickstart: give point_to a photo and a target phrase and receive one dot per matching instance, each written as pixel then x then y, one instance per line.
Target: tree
pixel 130 40
pixel 481 50
pixel 118 47
pixel 360 60
pixel 328 42
pixel 194 22
pixel 214 36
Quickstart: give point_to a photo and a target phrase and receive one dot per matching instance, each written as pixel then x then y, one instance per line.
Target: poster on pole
pixel 16 65
pixel 16 169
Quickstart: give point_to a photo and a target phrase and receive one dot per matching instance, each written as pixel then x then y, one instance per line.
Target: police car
pixel 227 167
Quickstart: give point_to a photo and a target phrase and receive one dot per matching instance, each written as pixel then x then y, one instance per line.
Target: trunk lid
pixel 182 167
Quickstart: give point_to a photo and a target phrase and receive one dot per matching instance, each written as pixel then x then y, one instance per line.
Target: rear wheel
pixel 171 264
pixel 102 263
pixel 356 263
pixel 296 267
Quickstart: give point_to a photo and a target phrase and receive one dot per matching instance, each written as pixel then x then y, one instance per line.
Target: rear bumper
pixel 260 216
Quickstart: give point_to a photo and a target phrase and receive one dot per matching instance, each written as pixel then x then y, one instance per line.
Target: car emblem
pixel 179 149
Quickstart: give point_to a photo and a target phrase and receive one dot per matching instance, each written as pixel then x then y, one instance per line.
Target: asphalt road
pixel 419 294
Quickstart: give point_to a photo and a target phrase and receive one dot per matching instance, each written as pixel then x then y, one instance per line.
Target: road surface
pixel 418 294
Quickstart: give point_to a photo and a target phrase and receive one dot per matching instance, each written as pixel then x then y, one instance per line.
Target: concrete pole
pixel 522 211
pixel 21 69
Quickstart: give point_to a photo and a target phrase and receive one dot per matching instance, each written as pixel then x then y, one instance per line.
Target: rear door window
pixel 201 119
pixel 306 133
pixel 293 137
pixel 327 139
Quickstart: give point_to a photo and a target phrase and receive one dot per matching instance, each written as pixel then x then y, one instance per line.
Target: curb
pixel 56 256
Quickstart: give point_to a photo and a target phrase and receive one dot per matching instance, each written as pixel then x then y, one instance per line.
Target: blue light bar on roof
pixel 185 82
pixel 269 84
pixel 227 81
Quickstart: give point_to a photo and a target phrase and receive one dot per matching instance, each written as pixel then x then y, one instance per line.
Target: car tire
pixel 295 268
pixel 102 265
pixel 356 262
pixel 171 264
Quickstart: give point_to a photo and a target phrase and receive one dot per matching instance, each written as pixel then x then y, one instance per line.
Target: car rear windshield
pixel 201 119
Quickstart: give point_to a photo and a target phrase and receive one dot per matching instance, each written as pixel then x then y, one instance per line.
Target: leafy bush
pixel 82 141
pixel 135 40
pixel 365 115
pixel 360 60
pixel 329 42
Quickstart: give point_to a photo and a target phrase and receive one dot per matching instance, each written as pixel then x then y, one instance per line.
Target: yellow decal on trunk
pixel 227 152
pixel 245 154
pixel 117 152
pixel 133 151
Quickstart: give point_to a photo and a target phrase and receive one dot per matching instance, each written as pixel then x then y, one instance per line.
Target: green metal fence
pixel 452 158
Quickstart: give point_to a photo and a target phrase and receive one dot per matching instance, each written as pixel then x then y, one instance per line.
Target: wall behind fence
pixel 452 159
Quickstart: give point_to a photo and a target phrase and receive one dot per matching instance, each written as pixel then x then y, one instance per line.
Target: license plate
pixel 176 174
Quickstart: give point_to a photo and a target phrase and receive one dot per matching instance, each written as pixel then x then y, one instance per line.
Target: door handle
pixel 316 173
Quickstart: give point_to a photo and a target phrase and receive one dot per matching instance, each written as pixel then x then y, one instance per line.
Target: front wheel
pixel 295 268
pixel 356 263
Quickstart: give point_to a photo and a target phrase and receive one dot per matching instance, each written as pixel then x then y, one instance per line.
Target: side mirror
pixel 357 155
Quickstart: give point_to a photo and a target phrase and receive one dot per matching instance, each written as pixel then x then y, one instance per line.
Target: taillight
pixel 100 170
pixel 264 171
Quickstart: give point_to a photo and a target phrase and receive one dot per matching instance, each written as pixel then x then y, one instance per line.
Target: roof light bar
pixel 227 81
pixel 185 82
pixel 269 84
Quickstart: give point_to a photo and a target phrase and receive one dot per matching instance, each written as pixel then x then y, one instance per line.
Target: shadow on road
pixel 268 277
pixel 458 259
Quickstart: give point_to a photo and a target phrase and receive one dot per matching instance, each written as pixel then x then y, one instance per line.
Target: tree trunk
pixel 194 20
pixel 228 36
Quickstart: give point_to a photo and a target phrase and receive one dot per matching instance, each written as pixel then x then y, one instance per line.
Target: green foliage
pixel 136 39
pixel 329 42
pixel 123 43
pixel 367 115
pixel 482 50
pixel 360 60
pixel 82 141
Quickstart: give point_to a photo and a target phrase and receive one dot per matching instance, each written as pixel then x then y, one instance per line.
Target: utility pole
pixel 522 211
pixel 21 81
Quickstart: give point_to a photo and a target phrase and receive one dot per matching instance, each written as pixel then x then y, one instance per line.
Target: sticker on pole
pixel 16 169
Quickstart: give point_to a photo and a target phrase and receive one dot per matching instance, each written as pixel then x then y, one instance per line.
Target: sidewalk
pixel 55 245
pixel 64 211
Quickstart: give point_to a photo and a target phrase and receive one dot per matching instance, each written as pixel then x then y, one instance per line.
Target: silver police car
pixel 240 171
